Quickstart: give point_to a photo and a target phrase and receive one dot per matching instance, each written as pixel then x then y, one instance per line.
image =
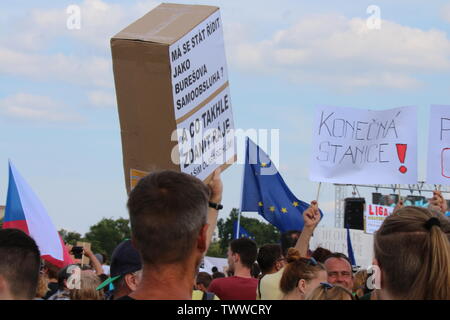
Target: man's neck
pixel 171 282
pixel 121 292
pixel 241 271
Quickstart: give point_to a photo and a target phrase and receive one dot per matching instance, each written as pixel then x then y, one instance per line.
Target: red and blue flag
pixel 24 211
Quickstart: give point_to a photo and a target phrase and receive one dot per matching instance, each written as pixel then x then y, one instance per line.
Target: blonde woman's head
pixel 326 291
pixel 301 275
pixel 88 283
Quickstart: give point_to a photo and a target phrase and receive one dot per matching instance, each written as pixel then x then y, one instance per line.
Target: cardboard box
pixel 173 93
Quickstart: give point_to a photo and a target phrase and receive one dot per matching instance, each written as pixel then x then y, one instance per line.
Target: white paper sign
pixel 206 139
pixel 335 240
pixel 374 217
pixel 357 146
pixel 198 65
pixel 209 262
pixel 439 146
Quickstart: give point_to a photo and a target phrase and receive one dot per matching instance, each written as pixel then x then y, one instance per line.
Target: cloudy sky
pixel 58 115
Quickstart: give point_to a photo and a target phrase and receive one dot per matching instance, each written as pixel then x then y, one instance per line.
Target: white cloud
pixel 102 99
pixel 33 107
pixel 445 13
pixel 26 54
pixel 87 71
pixel 341 52
pixel 99 22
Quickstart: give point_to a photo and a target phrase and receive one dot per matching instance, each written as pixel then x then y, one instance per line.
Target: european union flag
pixel 243 233
pixel 264 191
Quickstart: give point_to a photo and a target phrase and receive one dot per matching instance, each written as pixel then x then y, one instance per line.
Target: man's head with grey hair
pixel 168 213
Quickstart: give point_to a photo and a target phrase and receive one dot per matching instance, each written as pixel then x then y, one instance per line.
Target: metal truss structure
pixel 341 191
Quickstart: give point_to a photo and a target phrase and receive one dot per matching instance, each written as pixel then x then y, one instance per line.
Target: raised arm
pixel 216 187
pixel 311 218
pixel 94 261
pixel 438 202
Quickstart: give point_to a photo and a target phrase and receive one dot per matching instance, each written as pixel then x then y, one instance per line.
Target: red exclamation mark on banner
pixel 401 151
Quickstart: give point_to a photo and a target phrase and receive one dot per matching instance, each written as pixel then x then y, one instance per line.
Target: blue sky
pixel 58 115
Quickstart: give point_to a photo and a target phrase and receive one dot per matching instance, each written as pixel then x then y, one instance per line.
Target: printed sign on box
pixel 439 146
pixel 172 86
pixel 198 65
pixel 203 138
pixel 357 146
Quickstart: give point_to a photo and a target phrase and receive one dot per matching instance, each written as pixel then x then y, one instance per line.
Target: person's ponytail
pixel 413 252
pixel 439 278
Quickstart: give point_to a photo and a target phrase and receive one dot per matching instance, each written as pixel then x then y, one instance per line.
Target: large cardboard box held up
pixel 173 93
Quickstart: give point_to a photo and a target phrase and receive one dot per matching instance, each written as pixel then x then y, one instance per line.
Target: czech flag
pixel 25 211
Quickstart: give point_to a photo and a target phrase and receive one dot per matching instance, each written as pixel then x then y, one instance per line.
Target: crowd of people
pixel 173 216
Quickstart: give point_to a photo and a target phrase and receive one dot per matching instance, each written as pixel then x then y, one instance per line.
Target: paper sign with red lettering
pixel 374 217
pixel 357 146
pixel 439 146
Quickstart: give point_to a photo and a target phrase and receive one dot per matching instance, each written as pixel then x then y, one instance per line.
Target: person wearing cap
pixel 125 270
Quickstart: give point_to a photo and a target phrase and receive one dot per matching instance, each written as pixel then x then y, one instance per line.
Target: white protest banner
pixel 198 64
pixel 335 240
pixel 357 146
pixel 439 146
pixel 205 139
pixel 374 217
pixel 202 102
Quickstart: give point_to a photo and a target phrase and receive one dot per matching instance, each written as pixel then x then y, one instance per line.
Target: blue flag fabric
pixel 243 233
pixel 351 256
pixel 264 191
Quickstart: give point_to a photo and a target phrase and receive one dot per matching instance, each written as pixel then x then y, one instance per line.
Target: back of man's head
pixel 167 211
pixel 247 250
pixel 268 255
pixel 288 240
pixel 52 270
pixel 19 264
pixel 204 279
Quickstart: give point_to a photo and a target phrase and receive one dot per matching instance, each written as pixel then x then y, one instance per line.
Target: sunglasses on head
pixel 326 285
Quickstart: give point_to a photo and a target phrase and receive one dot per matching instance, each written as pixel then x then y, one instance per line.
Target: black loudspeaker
pixel 354 213
pixel 376 198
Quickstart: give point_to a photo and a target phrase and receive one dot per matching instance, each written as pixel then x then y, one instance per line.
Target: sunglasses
pixel 312 261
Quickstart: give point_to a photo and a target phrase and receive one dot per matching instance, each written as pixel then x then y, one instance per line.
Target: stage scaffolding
pixel 342 191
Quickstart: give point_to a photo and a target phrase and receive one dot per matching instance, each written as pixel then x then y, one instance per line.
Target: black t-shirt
pixel 52 288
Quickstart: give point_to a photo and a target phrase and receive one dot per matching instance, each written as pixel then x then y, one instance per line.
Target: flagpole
pixel 318 192
pixel 238 227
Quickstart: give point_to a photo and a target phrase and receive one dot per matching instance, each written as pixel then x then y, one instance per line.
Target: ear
pixel 131 281
pixel 379 278
pixel 236 257
pixel 202 238
pixel 302 286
